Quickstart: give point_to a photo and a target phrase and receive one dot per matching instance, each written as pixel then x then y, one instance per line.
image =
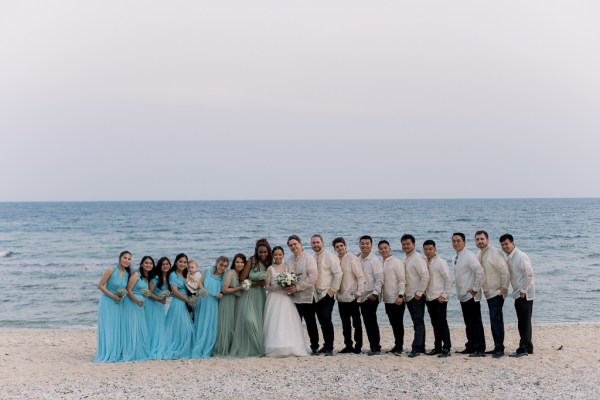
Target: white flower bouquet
pixel 288 278
pixel 202 292
pixel 121 292
pixel 246 284
pixel 164 294
pixel 145 292
pixel 193 300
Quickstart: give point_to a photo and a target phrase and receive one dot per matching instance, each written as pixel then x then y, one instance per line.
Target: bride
pixel 282 327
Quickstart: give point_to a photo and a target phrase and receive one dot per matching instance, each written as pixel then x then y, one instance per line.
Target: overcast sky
pixel 195 100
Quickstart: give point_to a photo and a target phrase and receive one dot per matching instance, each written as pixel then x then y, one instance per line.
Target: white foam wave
pixel 5 253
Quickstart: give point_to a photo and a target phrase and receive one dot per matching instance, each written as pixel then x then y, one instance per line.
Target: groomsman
pixel 469 278
pixel 305 264
pixel 438 289
pixel 495 288
pixel 521 280
pixel 417 279
pixel 328 282
pixel 394 283
pixel 351 289
pixel 373 271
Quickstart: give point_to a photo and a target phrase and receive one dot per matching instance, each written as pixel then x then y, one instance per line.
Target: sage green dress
pixel 227 315
pixel 248 336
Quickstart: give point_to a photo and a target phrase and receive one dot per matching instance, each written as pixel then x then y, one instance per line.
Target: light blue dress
pixel 178 324
pixel 135 332
pixel 155 321
pixel 205 327
pixel 110 317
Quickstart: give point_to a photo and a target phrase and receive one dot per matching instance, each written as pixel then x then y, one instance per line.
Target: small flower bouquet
pixel 193 300
pixel 202 292
pixel 246 284
pixel 121 292
pixel 287 279
pixel 145 292
pixel 261 275
pixel 164 294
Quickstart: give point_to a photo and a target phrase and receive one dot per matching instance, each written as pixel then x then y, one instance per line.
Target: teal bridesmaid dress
pixel 135 332
pixel 110 317
pixel 155 321
pixel 205 326
pixel 178 323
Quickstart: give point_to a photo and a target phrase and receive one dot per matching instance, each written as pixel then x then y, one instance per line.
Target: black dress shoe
pixel 498 354
pixel 393 350
pixel 445 353
pixel 374 353
pixel 346 350
pixel 518 354
pixel 328 353
pixel 477 354
pixel 314 352
pixel 322 350
pixel 490 352
pixel 357 351
pixel 465 351
pixel 434 352
pixel 413 354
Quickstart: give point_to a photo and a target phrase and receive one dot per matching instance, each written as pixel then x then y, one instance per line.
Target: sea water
pixel 52 255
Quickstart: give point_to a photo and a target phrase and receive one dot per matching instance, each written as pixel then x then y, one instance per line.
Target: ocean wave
pixel 6 254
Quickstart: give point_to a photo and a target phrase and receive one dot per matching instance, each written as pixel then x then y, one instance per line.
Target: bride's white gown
pixel 284 335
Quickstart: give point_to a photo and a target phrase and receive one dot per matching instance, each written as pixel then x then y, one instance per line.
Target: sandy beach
pixel 56 364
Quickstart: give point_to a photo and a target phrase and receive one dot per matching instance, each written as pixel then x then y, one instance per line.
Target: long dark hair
pixel 238 255
pixel 157 271
pixel 174 266
pixel 128 269
pixel 255 260
pixel 148 276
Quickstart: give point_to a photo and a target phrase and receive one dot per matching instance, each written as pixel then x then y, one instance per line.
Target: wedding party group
pixel 254 307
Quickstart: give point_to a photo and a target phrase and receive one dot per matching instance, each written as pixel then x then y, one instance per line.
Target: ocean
pixel 52 254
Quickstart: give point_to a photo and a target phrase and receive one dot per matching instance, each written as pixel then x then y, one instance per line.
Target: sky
pixel 232 100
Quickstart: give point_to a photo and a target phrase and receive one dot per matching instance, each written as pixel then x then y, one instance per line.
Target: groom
pixel 305 264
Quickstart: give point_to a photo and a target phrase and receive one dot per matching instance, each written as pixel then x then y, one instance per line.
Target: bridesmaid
pixel 231 290
pixel 110 312
pixel 205 332
pixel 135 332
pixel 155 309
pixel 178 322
pixel 248 337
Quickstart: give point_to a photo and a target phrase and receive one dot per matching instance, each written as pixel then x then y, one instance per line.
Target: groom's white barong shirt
pixel 521 274
pixel 307 266
pixel 496 271
pixel 469 275
pixel 440 280
pixel 353 279
pixel 329 274
pixel 394 279
pixel 373 271
pixel 417 275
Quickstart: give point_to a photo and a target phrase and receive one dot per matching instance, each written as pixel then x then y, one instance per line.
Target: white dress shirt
pixel 496 272
pixel 329 273
pixel 417 275
pixel 307 266
pixel 373 271
pixel 521 274
pixel 353 279
pixel 394 279
pixel 469 275
pixel 440 280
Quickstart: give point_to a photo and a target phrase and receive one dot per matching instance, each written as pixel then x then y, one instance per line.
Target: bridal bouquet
pixel 145 292
pixel 193 300
pixel 288 278
pixel 246 284
pixel 164 294
pixel 121 292
pixel 202 292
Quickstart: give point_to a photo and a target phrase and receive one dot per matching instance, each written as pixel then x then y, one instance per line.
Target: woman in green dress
pixel 231 290
pixel 248 336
